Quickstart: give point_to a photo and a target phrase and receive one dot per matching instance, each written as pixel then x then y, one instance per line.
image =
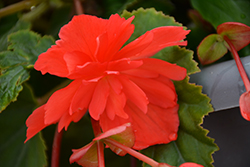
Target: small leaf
pixel 25 47
pixel 245 105
pixel 211 49
pixel 238 33
pixel 12 126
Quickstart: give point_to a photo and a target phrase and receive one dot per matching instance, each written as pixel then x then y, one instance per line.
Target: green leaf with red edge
pixel 238 33
pixel 211 49
pixel 25 46
pixel 12 126
pixel 192 145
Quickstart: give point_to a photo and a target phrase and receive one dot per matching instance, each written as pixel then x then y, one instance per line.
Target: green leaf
pixel 12 126
pixel 220 11
pixel 20 25
pixel 211 49
pixel 192 144
pixel 25 47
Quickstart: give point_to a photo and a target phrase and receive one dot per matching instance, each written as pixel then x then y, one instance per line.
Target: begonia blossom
pixel 117 84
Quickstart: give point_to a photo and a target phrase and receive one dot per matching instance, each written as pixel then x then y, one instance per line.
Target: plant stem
pixel 100 147
pixel 241 69
pixel 78 7
pixel 132 152
pixel 27 4
pixel 56 148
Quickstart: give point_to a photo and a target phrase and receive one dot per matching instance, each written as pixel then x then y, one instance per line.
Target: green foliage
pixel 12 126
pixel 220 11
pixel 23 50
pixel 192 144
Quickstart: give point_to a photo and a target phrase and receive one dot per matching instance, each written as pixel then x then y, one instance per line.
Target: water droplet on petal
pixel 172 136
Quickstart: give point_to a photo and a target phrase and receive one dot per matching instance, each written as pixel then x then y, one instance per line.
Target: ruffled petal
pixel 123 64
pixel 157 92
pixel 52 62
pixel 66 119
pixel 74 59
pixel 59 102
pixel 162 37
pixel 80 34
pixel 35 122
pixel 134 94
pixel 99 99
pixel 172 71
pixel 158 126
pixel 81 99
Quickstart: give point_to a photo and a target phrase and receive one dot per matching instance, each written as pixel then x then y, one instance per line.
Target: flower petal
pixel 80 34
pixel 190 164
pixel 59 102
pixel 245 105
pixel 162 37
pixel 172 71
pixel 123 64
pixel 52 62
pixel 35 122
pixel 99 99
pixel 158 126
pixel 134 94
pixel 74 59
pixel 157 92
pixel 118 32
pixel 81 99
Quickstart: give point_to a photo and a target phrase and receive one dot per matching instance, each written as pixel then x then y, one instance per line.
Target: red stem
pixel 100 147
pixel 78 7
pixel 133 152
pixel 241 69
pixel 56 148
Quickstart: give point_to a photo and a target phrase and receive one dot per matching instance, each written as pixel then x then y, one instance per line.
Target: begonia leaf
pixel 24 48
pixel 211 49
pixel 12 126
pixel 192 144
pixel 20 25
pixel 238 33
pixel 220 11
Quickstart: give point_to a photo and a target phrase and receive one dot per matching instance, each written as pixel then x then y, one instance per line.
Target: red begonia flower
pixel 115 84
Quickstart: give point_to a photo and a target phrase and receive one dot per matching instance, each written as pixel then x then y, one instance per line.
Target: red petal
pixel 162 37
pixel 245 105
pixel 119 31
pixel 35 122
pixel 81 99
pixel 158 126
pixel 99 99
pixel 141 73
pixel 157 92
pixel 74 59
pixel 172 71
pixel 190 164
pixel 123 64
pixel 59 102
pixel 134 94
pixel 80 34
pixel 52 62
pixel 238 33
pixel 66 119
